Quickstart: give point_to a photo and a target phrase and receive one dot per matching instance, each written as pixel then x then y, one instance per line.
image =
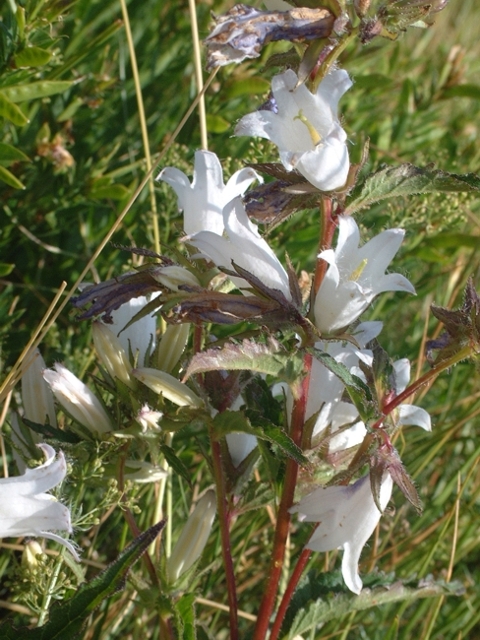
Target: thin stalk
pixel 197 62
pixel 143 123
pixel 290 590
pixel 329 224
pixel 224 520
pixel 51 586
pixel 283 517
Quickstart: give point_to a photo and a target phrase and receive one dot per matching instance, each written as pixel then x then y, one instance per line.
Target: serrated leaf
pixel 67 619
pixel 32 57
pixel 8 177
pixel 268 358
pixel 33 90
pixel 11 112
pixel 186 611
pixel 175 462
pixel 322 610
pixel 9 154
pixel 406 180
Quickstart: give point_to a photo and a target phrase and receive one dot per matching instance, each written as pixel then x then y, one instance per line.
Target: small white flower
pixel 408 414
pixel 148 418
pixel 347 517
pixel 76 398
pixel 245 246
pixel 356 275
pixel 203 200
pixel 306 128
pixel 25 508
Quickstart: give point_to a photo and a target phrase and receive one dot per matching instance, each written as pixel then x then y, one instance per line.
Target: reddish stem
pixel 287 596
pixel 283 517
pixel 224 520
pixel 329 224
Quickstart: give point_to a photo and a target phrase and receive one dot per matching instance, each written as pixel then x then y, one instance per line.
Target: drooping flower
pixel 408 414
pixel 77 399
pixel 243 245
pixel 25 508
pixel 347 517
pixel 203 200
pixel 356 275
pixel 305 127
pixel 193 538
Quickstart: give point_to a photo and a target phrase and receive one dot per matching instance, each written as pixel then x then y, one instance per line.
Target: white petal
pixel 402 374
pixel 240 445
pixel 411 415
pixel 327 166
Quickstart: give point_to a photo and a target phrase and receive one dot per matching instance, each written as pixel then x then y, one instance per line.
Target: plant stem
pixel 224 520
pixel 329 224
pixel 283 516
pixel 290 590
pixel 51 586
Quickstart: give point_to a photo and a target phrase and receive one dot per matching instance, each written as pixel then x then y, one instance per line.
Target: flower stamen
pixel 315 136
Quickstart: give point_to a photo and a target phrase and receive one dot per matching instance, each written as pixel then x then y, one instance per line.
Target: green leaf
pixel 322 610
pixel 268 358
pixel 462 91
pixel 111 191
pixel 406 180
pixel 32 57
pixel 48 431
pixel 11 112
pixel 9 154
pixel 34 90
pixel 186 611
pixel 6 269
pixel 217 124
pixel 67 619
pixel 10 179
pixel 175 462
pixel 253 86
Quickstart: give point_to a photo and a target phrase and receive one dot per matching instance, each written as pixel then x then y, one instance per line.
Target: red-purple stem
pixel 329 224
pixel 283 516
pixel 290 590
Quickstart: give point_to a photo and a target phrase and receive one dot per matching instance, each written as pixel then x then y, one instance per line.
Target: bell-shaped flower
pixel 347 517
pixel 203 200
pixel 243 245
pixel 25 508
pixel 77 399
pixel 193 538
pixel 305 127
pixel 138 336
pixel 356 275
pixel 408 414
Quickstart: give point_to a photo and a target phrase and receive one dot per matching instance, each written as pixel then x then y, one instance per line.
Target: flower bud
pixel 172 345
pixel 37 397
pixel 165 384
pixel 110 351
pixel 193 538
pixel 77 399
pixel 30 554
pixel 174 276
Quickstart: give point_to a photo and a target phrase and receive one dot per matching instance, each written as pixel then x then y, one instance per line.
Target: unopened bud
pixel 193 538
pixel 168 386
pixel 30 555
pixel 172 345
pixel 110 351
pixel 76 398
pixel 174 276
pixel 37 397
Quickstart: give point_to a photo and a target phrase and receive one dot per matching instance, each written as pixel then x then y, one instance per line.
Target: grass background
pixel 416 99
